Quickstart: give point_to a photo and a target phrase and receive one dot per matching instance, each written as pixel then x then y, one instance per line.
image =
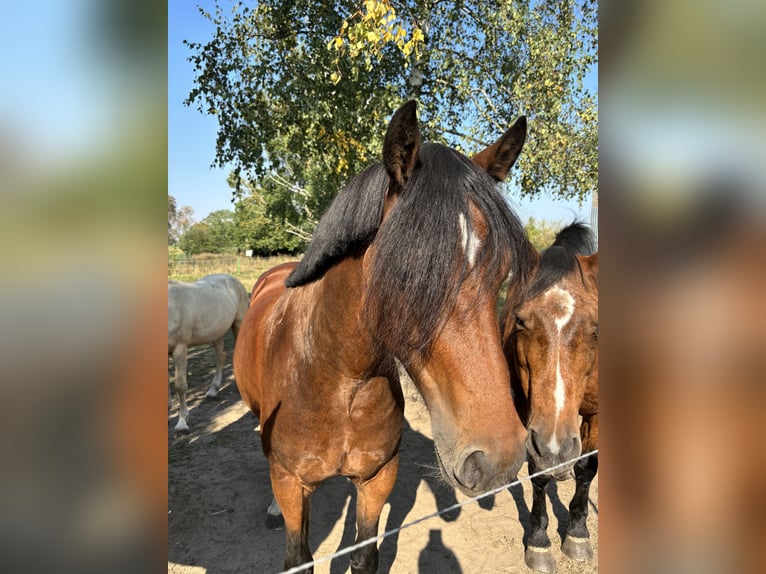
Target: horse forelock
pixel 420 262
pixel 560 259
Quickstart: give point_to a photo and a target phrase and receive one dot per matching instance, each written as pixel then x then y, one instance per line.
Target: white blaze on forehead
pixel 564 306
pixel 559 398
pixel 470 241
pixel 563 309
pixel 559 395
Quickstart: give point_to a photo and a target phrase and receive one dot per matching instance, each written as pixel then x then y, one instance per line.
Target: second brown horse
pixel 551 342
pixel 405 264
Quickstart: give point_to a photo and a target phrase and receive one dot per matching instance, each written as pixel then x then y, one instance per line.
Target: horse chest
pixel 353 436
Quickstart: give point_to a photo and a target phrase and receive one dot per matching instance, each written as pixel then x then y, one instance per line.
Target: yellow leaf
pixel 372 37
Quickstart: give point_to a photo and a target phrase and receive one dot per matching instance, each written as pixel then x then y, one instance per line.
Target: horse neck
pixel 337 329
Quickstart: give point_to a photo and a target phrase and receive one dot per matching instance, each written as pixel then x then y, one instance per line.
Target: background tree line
pixel 224 232
pixel 302 92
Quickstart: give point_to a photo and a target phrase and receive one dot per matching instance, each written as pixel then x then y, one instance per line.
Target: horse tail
pixel 243 303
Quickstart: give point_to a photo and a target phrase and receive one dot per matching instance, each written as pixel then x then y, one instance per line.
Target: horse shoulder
pixel 255 340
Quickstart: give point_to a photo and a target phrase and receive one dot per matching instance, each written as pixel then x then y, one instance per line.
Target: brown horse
pixel 551 343
pixel 406 263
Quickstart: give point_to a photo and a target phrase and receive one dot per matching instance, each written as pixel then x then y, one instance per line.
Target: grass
pixel 246 269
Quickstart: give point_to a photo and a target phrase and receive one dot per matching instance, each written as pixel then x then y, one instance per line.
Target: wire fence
pixel 246 269
pixel 374 539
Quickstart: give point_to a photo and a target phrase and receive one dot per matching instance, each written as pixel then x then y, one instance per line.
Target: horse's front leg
pixel 220 358
pixel 577 541
pixel 293 498
pixel 274 520
pixel 371 496
pixel 179 360
pixel 538 553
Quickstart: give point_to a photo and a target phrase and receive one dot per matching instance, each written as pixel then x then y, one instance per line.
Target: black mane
pixel 560 259
pixel 418 267
pixel 349 224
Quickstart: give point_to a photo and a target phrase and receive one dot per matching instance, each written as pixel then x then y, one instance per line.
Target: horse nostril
pixel 570 449
pixel 474 470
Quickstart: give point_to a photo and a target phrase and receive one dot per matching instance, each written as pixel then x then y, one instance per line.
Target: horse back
pixel 272 279
pixel 203 311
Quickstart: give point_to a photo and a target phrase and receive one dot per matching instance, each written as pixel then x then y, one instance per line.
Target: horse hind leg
pixel 170 398
pixel 179 359
pixel 538 553
pixel 235 329
pixel 371 496
pixel 220 358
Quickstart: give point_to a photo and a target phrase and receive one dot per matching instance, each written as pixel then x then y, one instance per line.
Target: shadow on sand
pixel 218 489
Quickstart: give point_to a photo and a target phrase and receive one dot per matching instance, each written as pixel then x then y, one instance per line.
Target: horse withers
pixel 406 264
pixel 200 313
pixel 551 343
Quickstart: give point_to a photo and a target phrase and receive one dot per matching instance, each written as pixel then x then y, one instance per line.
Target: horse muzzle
pixel 547 452
pixel 475 472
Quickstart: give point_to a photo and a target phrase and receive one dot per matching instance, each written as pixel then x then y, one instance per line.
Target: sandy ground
pixel 218 493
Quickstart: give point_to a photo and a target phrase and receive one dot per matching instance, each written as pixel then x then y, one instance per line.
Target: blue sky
pixel 191 135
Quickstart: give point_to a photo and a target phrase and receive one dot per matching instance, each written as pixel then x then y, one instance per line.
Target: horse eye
pixel 519 322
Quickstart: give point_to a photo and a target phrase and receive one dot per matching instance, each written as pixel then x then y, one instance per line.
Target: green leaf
pixel 302 93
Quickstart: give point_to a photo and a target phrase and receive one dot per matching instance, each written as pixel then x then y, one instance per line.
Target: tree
pixel 195 240
pixel 302 90
pixel 267 221
pixel 216 233
pixel 542 233
pixel 172 211
pixel 221 231
pixel 180 219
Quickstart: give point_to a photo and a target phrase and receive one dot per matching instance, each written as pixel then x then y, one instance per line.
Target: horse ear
pixel 589 265
pixel 498 158
pixel 401 144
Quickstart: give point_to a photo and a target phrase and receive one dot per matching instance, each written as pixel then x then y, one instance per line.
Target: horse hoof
pixel 275 522
pixel 213 397
pixel 540 559
pixel 182 428
pixel 577 548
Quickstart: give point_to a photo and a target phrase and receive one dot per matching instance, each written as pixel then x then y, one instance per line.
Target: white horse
pixel 200 313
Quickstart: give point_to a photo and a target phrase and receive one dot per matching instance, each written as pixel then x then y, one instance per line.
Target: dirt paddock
pixel 218 492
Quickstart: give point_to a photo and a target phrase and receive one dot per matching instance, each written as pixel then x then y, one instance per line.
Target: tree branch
pixel 466 136
pixel 297 231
